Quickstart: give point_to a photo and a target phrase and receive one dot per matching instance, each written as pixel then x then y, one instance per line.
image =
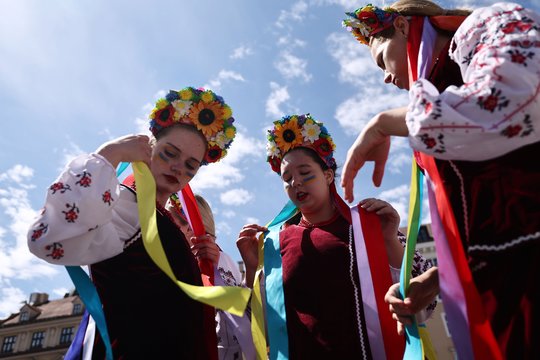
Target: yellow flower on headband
pixel 207 96
pixel 230 132
pixel 185 94
pixel 161 103
pixel 288 135
pixel 207 117
pixel 227 112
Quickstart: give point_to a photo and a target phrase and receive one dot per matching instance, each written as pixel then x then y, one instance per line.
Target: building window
pixel 25 316
pixel 77 309
pixel 65 335
pixel 8 344
pixel 37 340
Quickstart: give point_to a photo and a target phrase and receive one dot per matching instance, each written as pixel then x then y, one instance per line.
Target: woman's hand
pixel 373 144
pixel 248 245
pixel 205 248
pixel 129 148
pixel 422 291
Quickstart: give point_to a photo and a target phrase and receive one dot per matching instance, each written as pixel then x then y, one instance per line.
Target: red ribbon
pixel 482 338
pixel 394 344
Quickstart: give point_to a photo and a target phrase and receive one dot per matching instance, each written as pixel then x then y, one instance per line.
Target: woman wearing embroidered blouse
pixel 473 121
pixel 321 284
pixel 91 219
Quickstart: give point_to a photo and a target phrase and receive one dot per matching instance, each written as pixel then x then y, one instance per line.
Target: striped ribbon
pixel 460 296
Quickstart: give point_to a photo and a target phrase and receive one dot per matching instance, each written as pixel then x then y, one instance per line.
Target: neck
pixel 161 198
pixel 320 215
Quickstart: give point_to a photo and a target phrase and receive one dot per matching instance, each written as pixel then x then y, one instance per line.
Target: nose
pixel 176 167
pixel 296 182
pixel 387 77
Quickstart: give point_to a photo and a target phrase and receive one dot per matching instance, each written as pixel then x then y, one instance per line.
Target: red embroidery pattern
pixel 494 101
pixel 41 229
pixel 72 213
pixel 431 143
pixel 56 251
pixel 514 130
pixel 60 186
pixel 515 26
pixel 519 57
pixel 85 179
pixel 107 197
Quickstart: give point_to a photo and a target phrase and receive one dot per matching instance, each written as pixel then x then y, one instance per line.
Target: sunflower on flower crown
pixel 369 20
pixel 295 131
pixel 201 108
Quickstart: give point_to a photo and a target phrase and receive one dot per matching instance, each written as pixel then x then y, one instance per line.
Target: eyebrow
pixel 177 149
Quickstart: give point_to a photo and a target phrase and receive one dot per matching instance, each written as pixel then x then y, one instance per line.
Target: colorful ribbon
pixel 228 298
pixel 460 296
pixel 90 298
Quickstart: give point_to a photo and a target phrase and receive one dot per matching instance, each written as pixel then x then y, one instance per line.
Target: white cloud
pixel 252 220
pixel 278 96
pixel 229 214
pixel 291 66
pixel 227 171
pixel 11 299
pixel 224 76
pixel 18 173
pixel 399 162
pixel 355 112
pixel 17 262
pixel 236 197
pixel 241 52
pixel 223 228
pixel 295 14
pixel 290 42
pixel 348 5
pixel 398 197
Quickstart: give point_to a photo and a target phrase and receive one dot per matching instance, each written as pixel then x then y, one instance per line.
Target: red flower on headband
pixel 213 154
pixel 164 117
pixel 370 19
pixel 323 147
pixel 275 163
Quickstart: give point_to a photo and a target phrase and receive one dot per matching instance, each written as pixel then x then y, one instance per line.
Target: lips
pixel 301 196
pixel 171 179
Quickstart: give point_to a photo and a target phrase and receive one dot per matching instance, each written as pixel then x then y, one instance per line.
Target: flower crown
pixel 368 21
pixel 201 108
pixel 298 131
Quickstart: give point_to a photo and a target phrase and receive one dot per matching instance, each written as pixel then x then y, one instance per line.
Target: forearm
pixel 392 122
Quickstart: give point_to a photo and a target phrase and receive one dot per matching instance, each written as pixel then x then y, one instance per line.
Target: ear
pixel 401 24
pixel 329 176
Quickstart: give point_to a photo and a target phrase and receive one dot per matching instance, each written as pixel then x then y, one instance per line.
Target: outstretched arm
pixel 248 245
pixel 373 144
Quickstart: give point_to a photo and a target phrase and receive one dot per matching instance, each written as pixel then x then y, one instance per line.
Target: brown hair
pixel 419 8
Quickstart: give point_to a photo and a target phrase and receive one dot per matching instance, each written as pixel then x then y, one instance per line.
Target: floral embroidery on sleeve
pixel 432 143
pixel 39 231
pixel 60 186
pixel 72 214
pixel 492 101
pixel 56 251
pixel 85 179
pixel 520 57
pixel 107 197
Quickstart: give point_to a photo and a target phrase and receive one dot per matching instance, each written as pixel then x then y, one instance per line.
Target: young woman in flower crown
pixel 321 287
pixel 473 121
pixel 89 218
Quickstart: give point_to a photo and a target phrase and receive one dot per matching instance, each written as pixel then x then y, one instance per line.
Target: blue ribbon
pixel 275 300
pixel 91 300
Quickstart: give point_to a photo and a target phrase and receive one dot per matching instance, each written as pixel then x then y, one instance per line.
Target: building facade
pixel 42 329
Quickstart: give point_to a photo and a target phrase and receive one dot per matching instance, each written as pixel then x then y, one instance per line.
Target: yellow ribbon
pixel 427 345
pixel 258 326
pixel 228 298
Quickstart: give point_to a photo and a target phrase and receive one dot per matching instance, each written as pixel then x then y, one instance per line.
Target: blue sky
pixel 74 74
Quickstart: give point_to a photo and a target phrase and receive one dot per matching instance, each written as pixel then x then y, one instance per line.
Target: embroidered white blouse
pixel 88 217
pixel 497 110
